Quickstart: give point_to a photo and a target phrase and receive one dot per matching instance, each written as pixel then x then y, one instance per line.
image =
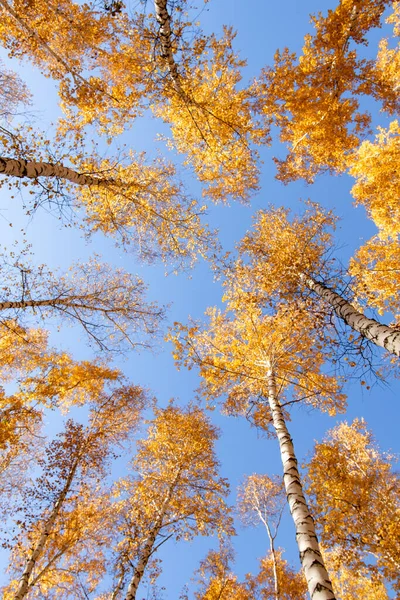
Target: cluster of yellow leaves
pixel 67 40
pixel 215 578
pixel 376 169
pixel 355 498
pixel 145 207
pixel 278 251
pixel 212 121
pixel 314 100
pixel 233 353
pixel 350 583
pixel 376 265
pixel 292 585
pixel 376 269
pixel 262 498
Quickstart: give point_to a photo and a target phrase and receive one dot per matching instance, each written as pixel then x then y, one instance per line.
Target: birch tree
pixel 177 493
pixel 289 261
pixel 262 499
pixel 250 362
pixel 64 517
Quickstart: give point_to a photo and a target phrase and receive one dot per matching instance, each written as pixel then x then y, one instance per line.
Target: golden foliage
pixel 212 121
pixel 355 497
pixel 314 99
pixel 215 578
pixel 376 272
pixel 233 352
pixel 176 492
pixel 352 583
pixel 279 250
pixel 146 209
pixel 292 585
pixel 376 169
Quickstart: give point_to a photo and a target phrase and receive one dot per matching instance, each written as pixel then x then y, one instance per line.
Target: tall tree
pixel 176 493
pixel 63 515
pixel 262 499
pixel 252 362
pixel 358 505
pixel 289 261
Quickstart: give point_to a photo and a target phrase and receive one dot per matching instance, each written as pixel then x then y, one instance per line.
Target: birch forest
pixel 199 300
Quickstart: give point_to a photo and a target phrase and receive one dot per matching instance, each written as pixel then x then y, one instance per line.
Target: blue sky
pixel 262 28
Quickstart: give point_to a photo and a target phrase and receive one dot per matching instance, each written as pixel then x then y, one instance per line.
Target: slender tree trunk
pixel 149 545
pixel 381 335
pixel 142 562
pixel 275 567
pixel 164 20
pixel 37 550
pixel 319 584
pixel 34 169
pixel 53 302
pixel 273 553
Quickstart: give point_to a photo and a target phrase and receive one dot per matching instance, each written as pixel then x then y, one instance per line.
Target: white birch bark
pixel 318 582
pixel 34 169
pixel 142 562
pixel 381 335
pixel 37 550
pixel 164 20
pixel 149 545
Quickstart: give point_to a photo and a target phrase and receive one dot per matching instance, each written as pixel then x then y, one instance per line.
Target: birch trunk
pixel 273 553
pixel 37 550
pixel 142 563
pixel 318 582
pixel 149 545
pixel 53 302
pixel 34 169
pixel 164 20
pixel 379 334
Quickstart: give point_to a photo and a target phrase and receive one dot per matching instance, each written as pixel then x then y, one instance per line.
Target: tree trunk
pixel 164 20
pixel 275 567
pixel 37 550
pixel 53 302
pixel 34 169
pixel 379 334
pixel 149 545
pixel 319 584
pixel 142 562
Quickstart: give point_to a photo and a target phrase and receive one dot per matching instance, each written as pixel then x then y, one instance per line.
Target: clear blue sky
pixel 262 28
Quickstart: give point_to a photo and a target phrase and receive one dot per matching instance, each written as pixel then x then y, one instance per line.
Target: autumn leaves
pixel 292 329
